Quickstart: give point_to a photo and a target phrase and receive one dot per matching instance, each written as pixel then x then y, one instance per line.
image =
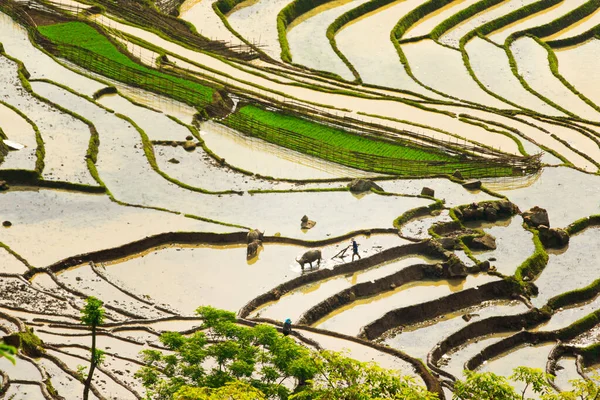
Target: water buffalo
pixel 254 235
pixel 252 248
pixel 309 257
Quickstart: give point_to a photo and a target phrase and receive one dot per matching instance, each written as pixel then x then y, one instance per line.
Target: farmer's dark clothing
pixel 287 328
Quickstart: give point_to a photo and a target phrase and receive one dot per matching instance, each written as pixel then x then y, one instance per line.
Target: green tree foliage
pixel 225 359
pixel 92 315
pixel 8 352
pixel 489 386
pixel 582 390
pixel 341 378
pixel 225 352
pixel 231 391
pixel 484 386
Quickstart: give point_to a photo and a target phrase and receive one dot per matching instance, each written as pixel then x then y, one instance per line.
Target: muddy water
pixel 538 19
pixel 83 279
pixel 419 228
pixel 257 23
pixel 156 125
pixel 566 371
pixel 264 158
pixel 385 108
pixel 425 25
pixel 577 65
pixel 109 344
pixel 66 385
pixel 16 44
pixel 294 304
pixel 65 138
pixel 188 277
pixel 65 223
pixel 453 193
pixel 176 325
pixel 566 316
pixel 514 245
pixel 120 145
pixel 555 190
pixel 308 43
pixel 443 69
pixel 419 340
pixel 198 169
pixel 491 66
pixel 454 362
pixel 106 385
pixel 453 36
pixel 24 392
pixel 532 64
pixel 371 35
pixel 18 130
pixel 362 353
pixel 569 269
pixel 21 370
pixel 10 264
pixel 527 356
pixel 351 318
pixel 582 25
pixel 201 14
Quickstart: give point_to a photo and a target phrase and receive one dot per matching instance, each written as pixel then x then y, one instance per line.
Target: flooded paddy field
pixel 145 202
pixel 532 63
pixel 308 41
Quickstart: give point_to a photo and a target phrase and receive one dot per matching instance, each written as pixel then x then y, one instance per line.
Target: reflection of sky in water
pixel 293 304
pixel 571 268
pixel 419 340
pixel 351 318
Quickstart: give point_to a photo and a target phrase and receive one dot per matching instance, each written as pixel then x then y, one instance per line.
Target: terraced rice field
pixel 138 150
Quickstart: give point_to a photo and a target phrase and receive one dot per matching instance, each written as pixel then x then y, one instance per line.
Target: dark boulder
pixel 553 238
pixel 363 185
pixel 485 242
pixel 457 174
pixel 536 216
pixel 472 185
pixel 428 192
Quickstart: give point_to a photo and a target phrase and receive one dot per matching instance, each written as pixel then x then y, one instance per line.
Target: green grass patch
pixel 366 152
pixel 339 138
pixel 87 47
pixel 536 263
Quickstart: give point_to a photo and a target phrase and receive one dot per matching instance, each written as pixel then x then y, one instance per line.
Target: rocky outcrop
pixel 472 185
pixel 457 174
pixel 486 211
pixel 485 242
pixel 448 243
pixel 363 185
pixel 189 145
pixel 428 192
pixel 553 237
pixel 536 216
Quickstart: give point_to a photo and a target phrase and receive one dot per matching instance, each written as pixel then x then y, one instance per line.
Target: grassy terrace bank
pixel 354 150
pixel 88 48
